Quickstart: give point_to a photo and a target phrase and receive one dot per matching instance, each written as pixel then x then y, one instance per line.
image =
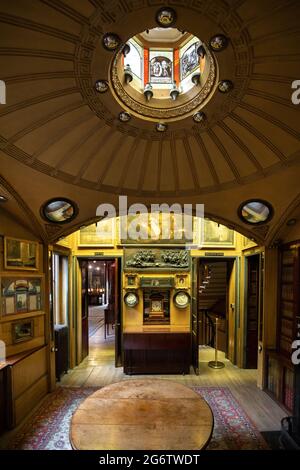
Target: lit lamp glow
pixel 196 78
pixel 128 74
pixel 148 93
pixel 174 92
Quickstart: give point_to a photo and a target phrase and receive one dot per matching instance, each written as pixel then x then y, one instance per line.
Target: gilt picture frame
pixel 22 330
pixel 181 281
pixel 152 224
pixel 217 235
pixel 21 254
pixel 21 294
pixel 131 281
pixel 100 234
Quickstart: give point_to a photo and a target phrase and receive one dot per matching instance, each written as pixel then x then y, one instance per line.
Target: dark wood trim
pixel 157 353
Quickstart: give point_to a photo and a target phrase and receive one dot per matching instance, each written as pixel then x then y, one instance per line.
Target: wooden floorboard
pixel 98 370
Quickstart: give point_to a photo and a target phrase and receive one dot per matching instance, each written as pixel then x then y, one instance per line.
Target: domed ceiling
pixel 60 138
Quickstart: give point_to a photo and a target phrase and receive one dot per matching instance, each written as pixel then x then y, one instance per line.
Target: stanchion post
pixel 216 364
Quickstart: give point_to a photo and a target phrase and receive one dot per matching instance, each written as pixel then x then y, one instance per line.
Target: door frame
pixel 237 316
pixel 77 301
pixel 50 250
pixel 258 252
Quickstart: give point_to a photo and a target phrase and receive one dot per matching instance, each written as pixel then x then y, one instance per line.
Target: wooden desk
pixel 142 415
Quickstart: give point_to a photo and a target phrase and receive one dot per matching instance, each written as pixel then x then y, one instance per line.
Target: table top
pixel 148 414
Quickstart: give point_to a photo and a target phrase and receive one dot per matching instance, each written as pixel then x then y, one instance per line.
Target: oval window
pixel 255 212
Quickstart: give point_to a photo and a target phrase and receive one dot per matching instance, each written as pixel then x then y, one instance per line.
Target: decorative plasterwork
pixel 114 12
pixel 186 139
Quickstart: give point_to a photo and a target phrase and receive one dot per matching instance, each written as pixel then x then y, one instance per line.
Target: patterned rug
pixel 48 427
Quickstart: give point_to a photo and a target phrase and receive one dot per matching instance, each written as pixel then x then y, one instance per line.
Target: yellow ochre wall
pixel 178 317
pixel 134 316
pixel 28 376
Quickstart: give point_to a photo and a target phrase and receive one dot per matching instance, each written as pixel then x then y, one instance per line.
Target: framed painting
pixel 216 235
pixel 20 295
pixel 22 330
pixel 181 281
pixel 101 233
pixel 21 254
pixel 158 229
pixel 189 60
pixel 161 67
pixel 131 281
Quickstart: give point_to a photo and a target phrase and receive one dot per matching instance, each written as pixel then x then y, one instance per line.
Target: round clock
pixel 181 299
pixel 131 299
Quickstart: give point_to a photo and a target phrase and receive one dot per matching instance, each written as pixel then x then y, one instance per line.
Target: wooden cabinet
pixel 27 384
pixel 2 400
pixel 157 353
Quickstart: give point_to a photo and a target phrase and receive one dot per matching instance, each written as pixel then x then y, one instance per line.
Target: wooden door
pixel 253 283
pixel 84 309
pixel 231 311
pixel 195 317
pixel 48 267
pixel 117 313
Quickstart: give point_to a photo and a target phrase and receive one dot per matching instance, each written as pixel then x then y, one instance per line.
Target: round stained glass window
pixel 255 212
pixel 59 211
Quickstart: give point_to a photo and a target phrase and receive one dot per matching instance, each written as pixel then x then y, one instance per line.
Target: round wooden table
pixel 142 414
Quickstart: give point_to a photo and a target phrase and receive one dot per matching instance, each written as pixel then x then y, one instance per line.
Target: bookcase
pixel 280 372
pixel 288 297
pixel 280 381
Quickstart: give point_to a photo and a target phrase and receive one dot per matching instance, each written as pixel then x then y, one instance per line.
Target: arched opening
pixel 138 281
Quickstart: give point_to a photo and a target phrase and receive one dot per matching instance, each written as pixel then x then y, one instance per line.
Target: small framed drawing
pixel 181 281
pixel 22 330
pixel 131 281
pixel 21 254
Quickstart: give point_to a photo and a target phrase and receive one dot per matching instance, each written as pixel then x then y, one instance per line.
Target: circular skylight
pixel 163 74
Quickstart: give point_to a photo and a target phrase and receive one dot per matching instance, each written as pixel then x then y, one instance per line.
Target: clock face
pixel 156 306
pixel 131 299
pixel 181 299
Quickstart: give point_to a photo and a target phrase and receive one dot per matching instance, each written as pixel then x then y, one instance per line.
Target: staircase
pixel 212 303
pixel 214 288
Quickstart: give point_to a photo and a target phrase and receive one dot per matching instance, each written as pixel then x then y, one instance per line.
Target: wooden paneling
pixel 28 400
pixel 27 384
pixel 168 353
pixel 2 400
pixel 36 341
pixel 28 371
